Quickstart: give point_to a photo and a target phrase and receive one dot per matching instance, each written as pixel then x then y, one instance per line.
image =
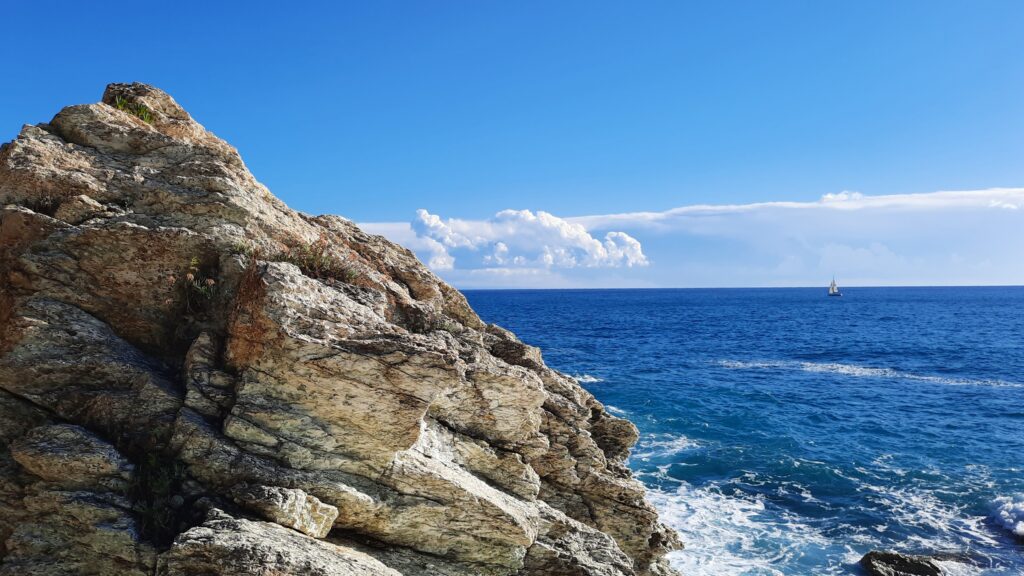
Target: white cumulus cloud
pixel 522 239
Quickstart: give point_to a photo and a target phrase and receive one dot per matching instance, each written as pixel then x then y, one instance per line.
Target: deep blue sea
pixel 785 432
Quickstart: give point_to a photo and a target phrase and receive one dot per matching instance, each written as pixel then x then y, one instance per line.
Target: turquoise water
pixel 785 432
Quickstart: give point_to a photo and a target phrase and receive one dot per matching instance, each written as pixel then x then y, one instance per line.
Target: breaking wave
pixel 1008 512
pixel 732 532
pixel 587 378
pixel 661 445
pixel 730 536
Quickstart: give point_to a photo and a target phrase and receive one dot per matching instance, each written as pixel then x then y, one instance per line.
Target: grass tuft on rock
pixel 140 111
pixel 316 260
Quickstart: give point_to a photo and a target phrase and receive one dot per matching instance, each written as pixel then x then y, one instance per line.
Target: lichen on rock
pixel 305 398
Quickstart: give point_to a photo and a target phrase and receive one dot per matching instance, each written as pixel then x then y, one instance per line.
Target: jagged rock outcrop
pixel 196 379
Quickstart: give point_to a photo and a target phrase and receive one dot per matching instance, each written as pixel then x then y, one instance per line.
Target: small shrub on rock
pixel 199 288
pixel 316 260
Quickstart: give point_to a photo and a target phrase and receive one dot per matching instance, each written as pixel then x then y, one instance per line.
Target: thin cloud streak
pixel 1006 198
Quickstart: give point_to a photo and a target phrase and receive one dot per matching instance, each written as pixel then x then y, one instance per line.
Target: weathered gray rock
pixel 289 507
pixel 570 548
pixel 227 546
pixel 70 456
pixel 18 417
pixel 878 563
pixel 64 360
pixel 208 390
pixel 78 209
pixel 169 324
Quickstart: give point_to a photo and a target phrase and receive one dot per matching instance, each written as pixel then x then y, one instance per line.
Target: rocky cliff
pixel 196 379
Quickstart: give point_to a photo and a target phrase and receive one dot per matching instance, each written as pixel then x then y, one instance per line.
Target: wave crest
pixel 729 536
pixel 1008 512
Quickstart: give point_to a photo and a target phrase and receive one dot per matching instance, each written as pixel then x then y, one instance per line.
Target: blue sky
pixel 374 110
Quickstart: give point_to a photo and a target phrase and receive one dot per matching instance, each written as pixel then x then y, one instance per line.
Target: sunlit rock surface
pixel 196 379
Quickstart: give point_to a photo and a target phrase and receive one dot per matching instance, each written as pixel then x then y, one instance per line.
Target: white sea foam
pixel 1008 512
pixel 661 445
pixel 587 378
pixel 730 536
pixel 854 370
pixel 950 527
pixel 951 568
pixel 615 410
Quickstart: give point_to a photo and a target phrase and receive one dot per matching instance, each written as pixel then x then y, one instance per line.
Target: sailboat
pixel 833 288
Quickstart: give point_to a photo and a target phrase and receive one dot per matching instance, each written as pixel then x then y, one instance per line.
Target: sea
pixel 784 432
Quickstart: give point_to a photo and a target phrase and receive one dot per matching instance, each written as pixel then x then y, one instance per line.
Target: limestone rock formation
pixel 196 379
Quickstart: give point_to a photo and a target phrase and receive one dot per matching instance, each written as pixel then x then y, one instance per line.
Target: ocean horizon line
pixel 815 287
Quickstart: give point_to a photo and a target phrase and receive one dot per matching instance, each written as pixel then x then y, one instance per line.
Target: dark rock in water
pixel 894 564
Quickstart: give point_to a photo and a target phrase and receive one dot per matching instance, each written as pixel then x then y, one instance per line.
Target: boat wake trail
pixel 856 371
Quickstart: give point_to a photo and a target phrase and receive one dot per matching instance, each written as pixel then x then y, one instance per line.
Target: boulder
pixel 228 546
pixel 289 507
pixel 878 563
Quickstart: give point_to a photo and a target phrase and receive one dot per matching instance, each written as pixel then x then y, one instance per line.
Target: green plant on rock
pixel 136 109
pixel 242 247
pixel 199 288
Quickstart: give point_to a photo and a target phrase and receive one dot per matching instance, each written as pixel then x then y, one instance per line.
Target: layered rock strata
pixel 196 379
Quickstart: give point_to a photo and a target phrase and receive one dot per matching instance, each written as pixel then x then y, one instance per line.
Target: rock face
pixel 195 379
pixel 894 564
